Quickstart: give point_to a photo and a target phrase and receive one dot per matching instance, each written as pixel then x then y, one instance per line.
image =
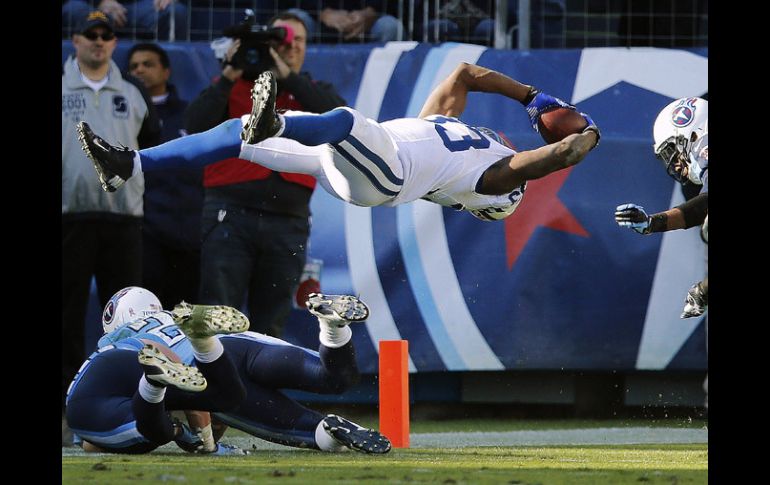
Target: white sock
pixel 151 392
pixel 325 442
pixel 137 164
pixel 332 335
pixel 207 436
pixel 206 349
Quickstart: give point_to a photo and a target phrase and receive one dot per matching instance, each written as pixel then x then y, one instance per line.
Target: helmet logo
pixel 109 311
pixel 684 114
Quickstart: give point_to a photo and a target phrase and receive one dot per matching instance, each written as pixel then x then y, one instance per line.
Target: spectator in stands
pixel 172 201
pixel 461 20
pixel 141 18
pixel 473 21
pixel 256 222
pixel 101 232
pixel 347 20
pixel 656 24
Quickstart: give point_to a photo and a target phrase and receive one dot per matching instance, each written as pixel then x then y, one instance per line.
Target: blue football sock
pixel 195 151
pixel 311 130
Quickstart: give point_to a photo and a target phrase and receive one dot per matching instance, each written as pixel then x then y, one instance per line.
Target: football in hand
pixel 558 123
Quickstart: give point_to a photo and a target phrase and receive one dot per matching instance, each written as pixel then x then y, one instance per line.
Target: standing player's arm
pixel 684 216
pixel 449 97
pixel 510 172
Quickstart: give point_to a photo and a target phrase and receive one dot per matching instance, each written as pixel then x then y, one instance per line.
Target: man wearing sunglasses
pixel 101 232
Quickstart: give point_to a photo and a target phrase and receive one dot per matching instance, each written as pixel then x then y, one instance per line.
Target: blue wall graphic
pixel 558 285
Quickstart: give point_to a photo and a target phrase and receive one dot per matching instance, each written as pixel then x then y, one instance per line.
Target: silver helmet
pixel 677 128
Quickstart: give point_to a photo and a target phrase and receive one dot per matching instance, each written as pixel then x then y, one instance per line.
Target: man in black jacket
pixel 173 199
pixel 256 222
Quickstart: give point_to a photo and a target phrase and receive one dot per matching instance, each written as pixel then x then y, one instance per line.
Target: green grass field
pixel 589 465
pixel 558 464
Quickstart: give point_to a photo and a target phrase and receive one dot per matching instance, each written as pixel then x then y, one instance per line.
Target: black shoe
pixel 354 436
pixel 263 122
pixel 113 165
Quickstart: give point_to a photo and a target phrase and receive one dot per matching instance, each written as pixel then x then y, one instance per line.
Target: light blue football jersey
pixel 159 327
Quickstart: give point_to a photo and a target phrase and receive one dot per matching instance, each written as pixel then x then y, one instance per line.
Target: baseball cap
pixel 94 19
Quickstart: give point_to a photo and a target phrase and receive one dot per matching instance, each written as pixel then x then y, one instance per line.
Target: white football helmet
pixel 497 213
pixel 677 127
pixel 127 305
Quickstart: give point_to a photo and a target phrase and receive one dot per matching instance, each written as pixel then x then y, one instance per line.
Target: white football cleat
pixel 198 321
pixel 161 370
pixel 338 310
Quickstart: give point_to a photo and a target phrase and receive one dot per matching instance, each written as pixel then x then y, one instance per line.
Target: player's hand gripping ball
pixel 558 123
pixel 555 120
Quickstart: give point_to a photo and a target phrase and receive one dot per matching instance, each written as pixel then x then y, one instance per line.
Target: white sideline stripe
pixel 439 63
pixel 358 220
pixel 418 282
pixel 591 436
pixel 432 246
pixel 365 278
pixel 681 264
pixel 377 72
pixel 601 68
pixel 445 290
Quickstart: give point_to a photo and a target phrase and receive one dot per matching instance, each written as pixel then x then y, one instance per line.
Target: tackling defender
pixel 264 365
pixel 435 157
pixel 118 400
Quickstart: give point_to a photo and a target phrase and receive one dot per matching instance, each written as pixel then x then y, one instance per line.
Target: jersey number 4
pixel 457 136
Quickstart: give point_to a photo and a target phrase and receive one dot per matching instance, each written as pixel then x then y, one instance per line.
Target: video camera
pixel 253 56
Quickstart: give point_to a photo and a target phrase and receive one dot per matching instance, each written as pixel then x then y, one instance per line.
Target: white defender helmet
pixel 127 305
pixel 677 127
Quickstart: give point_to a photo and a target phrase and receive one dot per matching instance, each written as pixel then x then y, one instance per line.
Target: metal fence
pixel 499 23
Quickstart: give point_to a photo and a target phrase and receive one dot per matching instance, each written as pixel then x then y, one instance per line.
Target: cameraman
pixel 256 222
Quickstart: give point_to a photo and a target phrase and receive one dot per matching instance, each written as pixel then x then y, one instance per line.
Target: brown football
pixel 558 123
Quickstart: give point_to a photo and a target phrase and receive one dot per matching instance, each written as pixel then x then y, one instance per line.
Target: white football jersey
pixel 443 160
pixel 438 158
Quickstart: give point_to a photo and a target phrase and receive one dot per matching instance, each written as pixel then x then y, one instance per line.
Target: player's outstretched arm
pixel 510 172
pixel 684 216
pixel 449 97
